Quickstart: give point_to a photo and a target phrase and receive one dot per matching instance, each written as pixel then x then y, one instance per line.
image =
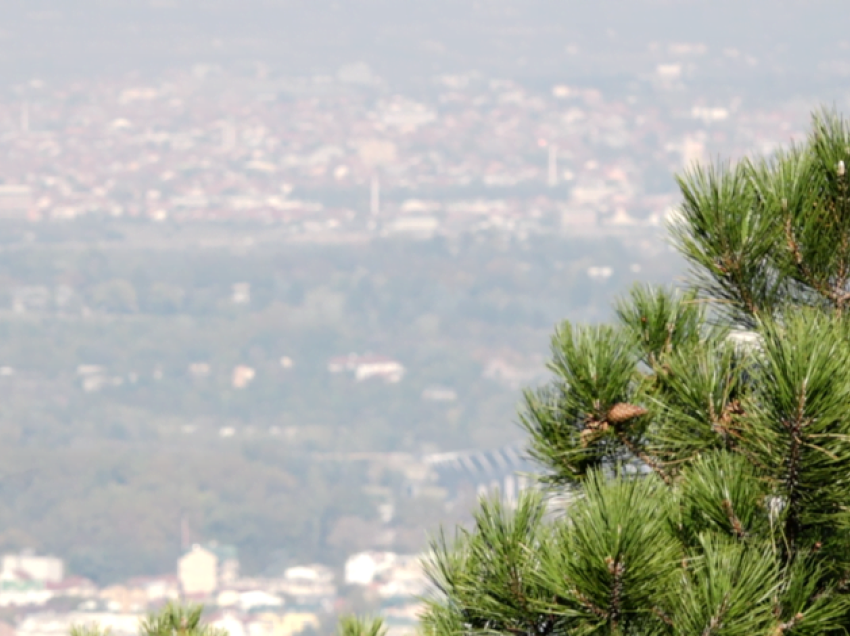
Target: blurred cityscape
pixel 273 281
pixel 38 596
pixel 302 599
pixel 343 157
pixel 298 299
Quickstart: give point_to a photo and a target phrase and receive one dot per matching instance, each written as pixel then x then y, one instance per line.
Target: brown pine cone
pixel 623 412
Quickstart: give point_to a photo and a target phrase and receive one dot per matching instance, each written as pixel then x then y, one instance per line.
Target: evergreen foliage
pixel 703 438
pixel 173 619
pixel 361 626
pixel 177 620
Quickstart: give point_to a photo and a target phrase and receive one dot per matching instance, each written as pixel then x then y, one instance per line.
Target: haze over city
pixel 274 274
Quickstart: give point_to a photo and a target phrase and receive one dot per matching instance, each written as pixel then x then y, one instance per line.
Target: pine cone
pixel 623 412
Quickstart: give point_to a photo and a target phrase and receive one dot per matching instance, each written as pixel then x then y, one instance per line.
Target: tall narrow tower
pixel 375 198
pixel 553 166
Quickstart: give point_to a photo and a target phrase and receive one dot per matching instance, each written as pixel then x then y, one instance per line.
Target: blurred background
pixel 274 273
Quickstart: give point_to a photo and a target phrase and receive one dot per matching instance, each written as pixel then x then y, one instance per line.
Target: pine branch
pixel 617 569
pixel 741 527
pixel 788 625
pixel 716 621
pixel 737 526
pixel 650 461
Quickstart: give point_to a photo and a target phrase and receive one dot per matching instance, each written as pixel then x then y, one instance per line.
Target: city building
pixel 205 568
pixel 28 565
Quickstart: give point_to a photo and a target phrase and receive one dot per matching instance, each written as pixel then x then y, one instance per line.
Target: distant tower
pixel 25 118
pixel 553 166
pixel 375 199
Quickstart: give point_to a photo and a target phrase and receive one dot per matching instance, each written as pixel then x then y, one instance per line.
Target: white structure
pixel 205 569
pixel 242 376
pixel 248 601
pixel 419 206
pixel 316 573
pixel 255 599
pixel 45 569
pixel 364 567
pixel 669 71
pixel 368 366
pixel 306 583
pixel 16 593
pixel 379 367
pixel 197 571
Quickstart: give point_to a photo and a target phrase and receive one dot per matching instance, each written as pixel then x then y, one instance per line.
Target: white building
pixel 204 569
pixel 368 366
pixel 308 582
pixel 45 569
pixel 248 600
pixel 381 367
pixel 316 573
pixel 364 567
pixel 242 376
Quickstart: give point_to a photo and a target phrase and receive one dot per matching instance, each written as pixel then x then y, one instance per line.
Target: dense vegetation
pixel 149 439
pixel 703 439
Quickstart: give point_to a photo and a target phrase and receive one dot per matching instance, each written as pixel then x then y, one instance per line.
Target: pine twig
pixel 716 620
pixel 737 526
pixel 616 568
pixel 644 457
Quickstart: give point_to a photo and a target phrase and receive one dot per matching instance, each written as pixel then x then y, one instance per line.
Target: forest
pixel 116 368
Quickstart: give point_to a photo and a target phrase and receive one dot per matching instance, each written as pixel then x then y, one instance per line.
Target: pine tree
pixel 703 437
pixel 361 626
pixel 173 619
